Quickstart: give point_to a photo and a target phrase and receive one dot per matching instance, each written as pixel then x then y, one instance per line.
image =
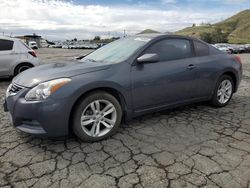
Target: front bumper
pixel 46 118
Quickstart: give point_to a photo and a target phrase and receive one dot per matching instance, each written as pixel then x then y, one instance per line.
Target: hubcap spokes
pixel 98 118
pixel 225 91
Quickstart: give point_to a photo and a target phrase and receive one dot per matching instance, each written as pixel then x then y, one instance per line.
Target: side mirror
pixel 148 58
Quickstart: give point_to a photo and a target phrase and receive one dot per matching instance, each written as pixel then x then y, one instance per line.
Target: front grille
pixel 14 89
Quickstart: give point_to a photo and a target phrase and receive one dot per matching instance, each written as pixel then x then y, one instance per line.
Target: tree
pixel 207 37
pixel 216 36
pixel 97 38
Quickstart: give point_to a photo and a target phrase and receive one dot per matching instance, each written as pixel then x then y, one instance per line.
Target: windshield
pixel 117 51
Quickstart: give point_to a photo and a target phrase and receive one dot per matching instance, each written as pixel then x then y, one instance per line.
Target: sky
pixel 84 19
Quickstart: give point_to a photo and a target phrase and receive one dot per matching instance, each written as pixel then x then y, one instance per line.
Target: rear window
pixel 201 49
pixel 6 45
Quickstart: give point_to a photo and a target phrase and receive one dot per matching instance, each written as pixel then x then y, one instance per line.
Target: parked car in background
pixel 15 57
pixel 55 46
pixel 242 48
pixel 33 45
pixel 124 79
pixel 247 48
pixel 235 48
pixel 44 43
pixel 65 46
pixel 230 48
pixel 223 48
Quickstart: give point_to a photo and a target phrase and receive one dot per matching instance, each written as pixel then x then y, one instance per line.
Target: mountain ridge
pixel 237 27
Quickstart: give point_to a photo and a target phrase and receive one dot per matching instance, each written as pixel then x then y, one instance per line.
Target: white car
pixel 65 47
pixel 33 45
pixel 15 57
pixel 223 48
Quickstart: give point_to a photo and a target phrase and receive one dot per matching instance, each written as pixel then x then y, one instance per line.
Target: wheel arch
pixel 20 64
pixel 232 74
pixel 112 91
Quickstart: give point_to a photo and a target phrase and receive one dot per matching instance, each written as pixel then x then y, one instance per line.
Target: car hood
pixel 36 75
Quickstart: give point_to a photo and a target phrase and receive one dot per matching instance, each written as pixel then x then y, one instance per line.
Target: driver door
pixel 168 81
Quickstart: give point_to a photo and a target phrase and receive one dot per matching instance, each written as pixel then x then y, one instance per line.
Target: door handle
pixel 191 67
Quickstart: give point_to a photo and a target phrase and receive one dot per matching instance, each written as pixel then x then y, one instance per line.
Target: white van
pixel 33 45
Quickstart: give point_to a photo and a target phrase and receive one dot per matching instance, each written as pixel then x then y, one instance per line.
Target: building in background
pixel 28 38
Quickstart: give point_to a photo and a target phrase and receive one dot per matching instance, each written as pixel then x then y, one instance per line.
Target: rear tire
pixel 223 91
pixel 97 117
pixel 22 67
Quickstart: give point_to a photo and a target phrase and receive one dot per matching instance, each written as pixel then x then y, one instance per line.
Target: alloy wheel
pixel 224 91
pixel 98 118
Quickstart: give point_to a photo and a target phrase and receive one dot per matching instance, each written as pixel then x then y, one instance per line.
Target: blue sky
pixel 67 19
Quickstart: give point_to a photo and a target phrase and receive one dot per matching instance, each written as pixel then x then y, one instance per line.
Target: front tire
pixel 223 91
pixel 97 117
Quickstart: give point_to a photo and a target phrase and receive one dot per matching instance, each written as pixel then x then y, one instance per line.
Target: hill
pixel 147 31
pixel 237 28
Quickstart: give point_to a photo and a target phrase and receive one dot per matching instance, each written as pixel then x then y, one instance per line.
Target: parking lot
pixel 191 146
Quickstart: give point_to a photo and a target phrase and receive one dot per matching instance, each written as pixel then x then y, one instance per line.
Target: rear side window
pixel 171 49
pixel 201 49
pixel 214 50
pixel 6 45
pixel 25 45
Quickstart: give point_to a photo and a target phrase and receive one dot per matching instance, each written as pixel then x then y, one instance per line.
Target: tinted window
pixel 214 50
pixel 6 45
pixel 171 49
pixel 201 49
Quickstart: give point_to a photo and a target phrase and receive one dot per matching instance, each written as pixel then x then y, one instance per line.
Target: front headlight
pixel 7 94
pixel 44 90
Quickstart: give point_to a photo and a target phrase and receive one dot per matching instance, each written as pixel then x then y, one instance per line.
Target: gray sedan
pixel 124 79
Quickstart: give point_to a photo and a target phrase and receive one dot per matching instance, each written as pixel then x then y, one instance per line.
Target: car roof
pixel 162 35
pixel 9 38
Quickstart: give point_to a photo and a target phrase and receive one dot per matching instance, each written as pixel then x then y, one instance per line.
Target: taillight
pixel 238 59
pixel 32 53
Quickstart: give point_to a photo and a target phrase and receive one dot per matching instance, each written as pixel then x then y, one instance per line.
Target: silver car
pixel 15 57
